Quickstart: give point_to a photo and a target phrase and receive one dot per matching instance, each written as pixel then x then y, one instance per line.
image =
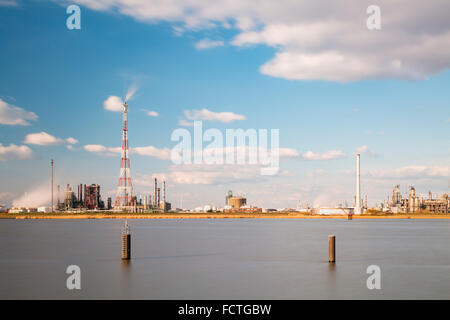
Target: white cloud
pixel 71 140
pixel 315 173
pixel 42 138
pixel 207 43
pixel 218 155
pixel 102 150
pixel 185 123
pixel 95 148
pixel 328 155
pixel 113 103
pixel 207 175
pixel 316 39
pixel 205 114
pixel 288 153
pixel 150 151
pixel 151 113
pixel 367 151
pixel 416 171
pixel 13 152
pixel 8 3
pixel 13 115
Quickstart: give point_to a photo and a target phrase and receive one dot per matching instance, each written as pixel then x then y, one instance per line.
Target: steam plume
pixel 131 91
pixel 40 196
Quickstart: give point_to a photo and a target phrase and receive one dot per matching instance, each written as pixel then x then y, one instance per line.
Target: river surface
pixel 225 259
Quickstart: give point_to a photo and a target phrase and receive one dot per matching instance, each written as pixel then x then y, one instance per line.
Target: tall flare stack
pixel 124 196
pixel 358 185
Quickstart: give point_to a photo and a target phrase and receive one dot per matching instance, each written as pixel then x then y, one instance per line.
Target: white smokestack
pixel 358 185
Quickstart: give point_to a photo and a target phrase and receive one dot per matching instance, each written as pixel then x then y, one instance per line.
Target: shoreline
pixel 214 216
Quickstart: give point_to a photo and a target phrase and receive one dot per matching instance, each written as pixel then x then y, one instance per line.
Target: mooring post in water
pixel 126 242
pixel 350 216
pixel 331 249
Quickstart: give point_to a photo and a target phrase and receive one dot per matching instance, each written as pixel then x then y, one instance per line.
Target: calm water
pixel 225 259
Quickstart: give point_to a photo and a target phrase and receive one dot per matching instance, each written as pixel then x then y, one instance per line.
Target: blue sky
pixel 399 122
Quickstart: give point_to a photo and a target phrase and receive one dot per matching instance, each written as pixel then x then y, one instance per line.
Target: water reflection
pixel 242 259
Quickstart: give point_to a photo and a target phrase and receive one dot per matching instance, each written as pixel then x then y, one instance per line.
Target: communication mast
pixel 124 197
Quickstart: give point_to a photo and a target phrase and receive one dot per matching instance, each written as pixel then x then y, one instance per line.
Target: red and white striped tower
pixel 124 195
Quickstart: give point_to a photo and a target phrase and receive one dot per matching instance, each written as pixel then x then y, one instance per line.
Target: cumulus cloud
pixel 8 3
pixel 416 171
pixel 13 115
pixel 244 153
pixel 42 138
pixel 208 43
pixel 151 113
pixel 316 39
pixel 13 152
pixel 149 151
pixel 288 153
pixel 71 140
pixel 205 114
pixel 113 103
pixel 102 150
pixel 328 155
pixel 315 173
pixel 185 123
pixel 367 151
pixel 206 175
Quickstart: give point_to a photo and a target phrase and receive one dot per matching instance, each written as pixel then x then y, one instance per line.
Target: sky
pixel 311 69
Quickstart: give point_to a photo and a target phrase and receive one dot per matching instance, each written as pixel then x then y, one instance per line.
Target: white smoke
pixel 38 197
pixel 322 200
pixel 131 91
pixel 330 197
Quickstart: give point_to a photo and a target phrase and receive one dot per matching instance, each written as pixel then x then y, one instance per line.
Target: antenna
pixel 124 196
pixel 51 163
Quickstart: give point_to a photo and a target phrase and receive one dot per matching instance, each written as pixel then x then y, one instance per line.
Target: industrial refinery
pixel 88 197
pixel 412 203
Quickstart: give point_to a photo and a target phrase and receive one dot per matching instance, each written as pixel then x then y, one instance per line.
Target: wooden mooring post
pixel 332 249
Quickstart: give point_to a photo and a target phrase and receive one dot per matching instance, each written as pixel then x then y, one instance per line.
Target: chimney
pixel 164 195
pixel 155 196
pixel 51 164
pixel 158 197
pixel 358 186
pixel 57 195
